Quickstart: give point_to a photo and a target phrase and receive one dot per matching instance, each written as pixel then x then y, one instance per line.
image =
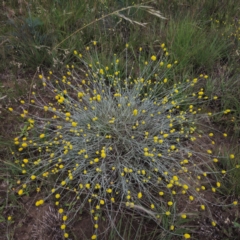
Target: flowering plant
pixel 116 139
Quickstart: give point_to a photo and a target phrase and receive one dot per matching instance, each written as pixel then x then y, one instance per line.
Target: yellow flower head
pixel 153 58
pixel 218 184
pixel 20 192
pixel 191 198
pixel 139 195
pixel 63 226
pixel 39 202
pixel 57 195
pixel 33 177
pixel 25 160
pixel 135 112
pixel 74 124
pixel 202 207
pixel 235 203
pixel 213 223
pixel 187 236
pixel 42 135
pixel 60 210
pixel 168 213
pixel 109 190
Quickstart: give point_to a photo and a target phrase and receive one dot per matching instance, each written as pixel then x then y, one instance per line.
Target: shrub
pixel 118 141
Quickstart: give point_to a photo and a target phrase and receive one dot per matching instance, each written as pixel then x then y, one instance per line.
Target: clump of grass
pixel 194 47
pixel 44 33
pixel 117 140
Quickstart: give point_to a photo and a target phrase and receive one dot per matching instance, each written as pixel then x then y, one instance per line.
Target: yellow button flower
pixel 153 58
pixel 187 236
pixel 139 195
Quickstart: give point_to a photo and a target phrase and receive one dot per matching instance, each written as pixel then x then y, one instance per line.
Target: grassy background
pixel 38 36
